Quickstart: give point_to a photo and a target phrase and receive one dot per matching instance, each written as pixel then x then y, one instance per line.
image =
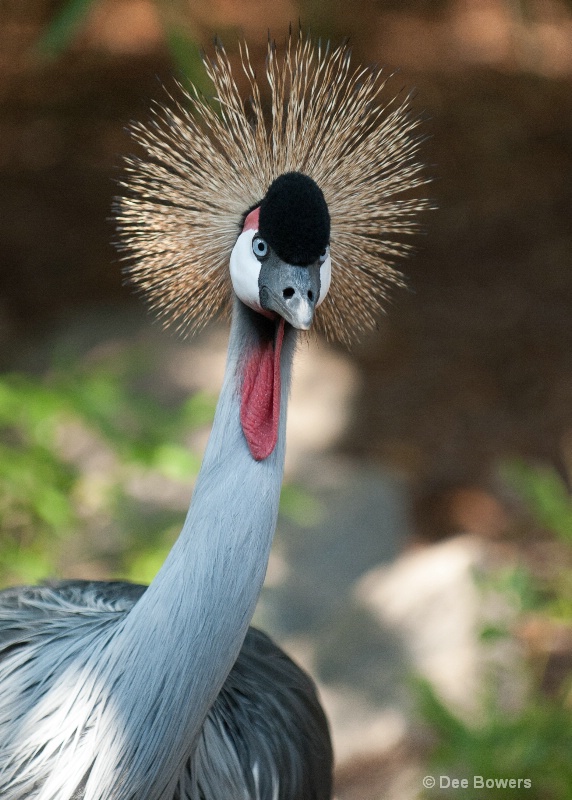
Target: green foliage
pixel 71 15
pixel 534 743
pixel 64 26
pixel 146 563
pixel 517 583
pixel 58 508
pixel 545 492
pixel 50 496
pixel 550 504
pixel 188 59
pixel 34 482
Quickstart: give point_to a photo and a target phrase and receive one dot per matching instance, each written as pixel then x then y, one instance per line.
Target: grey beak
pixel 290 291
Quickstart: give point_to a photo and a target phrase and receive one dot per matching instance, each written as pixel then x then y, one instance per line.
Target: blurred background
pixel 423 564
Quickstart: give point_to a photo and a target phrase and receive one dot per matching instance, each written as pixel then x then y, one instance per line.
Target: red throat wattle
pixel 260 396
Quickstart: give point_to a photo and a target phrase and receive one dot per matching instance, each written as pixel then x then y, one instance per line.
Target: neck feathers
pixel 176 647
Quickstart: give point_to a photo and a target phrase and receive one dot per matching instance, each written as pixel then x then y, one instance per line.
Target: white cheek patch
pixel 244 270
pixel 325 279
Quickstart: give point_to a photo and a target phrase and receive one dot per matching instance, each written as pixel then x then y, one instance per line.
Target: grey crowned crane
pixel 112 691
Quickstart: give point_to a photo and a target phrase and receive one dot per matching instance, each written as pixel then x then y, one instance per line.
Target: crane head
pixel 281 261
pixel 333 164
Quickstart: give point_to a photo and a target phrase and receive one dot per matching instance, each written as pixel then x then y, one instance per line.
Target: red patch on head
pixel 260 396
pixel 251 221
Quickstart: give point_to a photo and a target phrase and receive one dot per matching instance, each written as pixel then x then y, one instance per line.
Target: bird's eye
pixel 259 247
pixel 324 255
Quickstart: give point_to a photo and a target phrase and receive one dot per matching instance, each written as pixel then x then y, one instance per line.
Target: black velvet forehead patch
pixel 294 219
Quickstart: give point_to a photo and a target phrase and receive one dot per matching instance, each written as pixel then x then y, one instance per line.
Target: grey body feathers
pixel 265 737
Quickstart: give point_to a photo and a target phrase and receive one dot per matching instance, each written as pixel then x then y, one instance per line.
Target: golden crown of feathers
pixel 208 163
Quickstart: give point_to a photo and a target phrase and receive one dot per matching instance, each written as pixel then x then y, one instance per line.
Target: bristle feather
pixel 205 164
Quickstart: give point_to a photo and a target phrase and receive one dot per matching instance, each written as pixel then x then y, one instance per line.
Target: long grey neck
pixel 180 641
